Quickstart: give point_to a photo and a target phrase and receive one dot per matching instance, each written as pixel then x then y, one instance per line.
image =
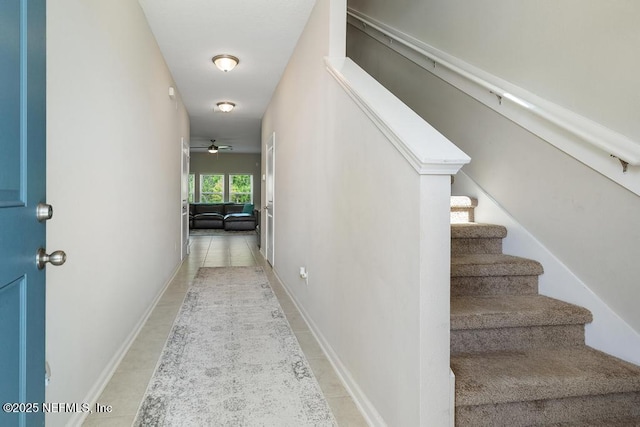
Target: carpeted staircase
pixel 520 358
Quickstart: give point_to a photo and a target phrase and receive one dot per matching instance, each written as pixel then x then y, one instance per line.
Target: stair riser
pixel 476 246
pixel 512 346
pixel 513 339
pixel 497 285
pixel 461 215
pixel 574 409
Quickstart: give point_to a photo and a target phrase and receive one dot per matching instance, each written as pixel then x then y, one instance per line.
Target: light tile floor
pixel 127 386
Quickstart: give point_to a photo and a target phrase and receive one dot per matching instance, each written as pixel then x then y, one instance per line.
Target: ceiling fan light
pixel 226 106
pixel 212 149
pixel 225 62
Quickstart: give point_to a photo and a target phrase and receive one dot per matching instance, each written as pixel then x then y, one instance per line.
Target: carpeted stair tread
pixel 471 312
pixel 473 238
pixel 463 202
pixel 462 209
pixel 493 265
pixel 621 422
pixel 540 374
pixel 474 230
pixel 520 358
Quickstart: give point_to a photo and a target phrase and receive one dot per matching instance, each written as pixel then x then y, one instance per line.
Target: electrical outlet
pixel 304 274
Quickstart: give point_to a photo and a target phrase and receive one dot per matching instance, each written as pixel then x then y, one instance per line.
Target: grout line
pixel 258 261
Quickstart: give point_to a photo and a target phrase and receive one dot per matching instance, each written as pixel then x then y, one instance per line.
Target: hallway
pixel 127 386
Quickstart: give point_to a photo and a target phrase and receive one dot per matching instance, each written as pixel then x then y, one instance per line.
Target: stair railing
pixel 568 131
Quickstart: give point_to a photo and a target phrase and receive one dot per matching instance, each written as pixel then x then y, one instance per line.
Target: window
pixel 241 188
pixel 211 188
pixel 192 188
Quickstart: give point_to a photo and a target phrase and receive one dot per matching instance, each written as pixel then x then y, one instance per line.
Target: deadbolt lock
pixel 44 212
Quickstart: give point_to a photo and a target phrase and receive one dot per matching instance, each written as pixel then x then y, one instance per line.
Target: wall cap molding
pixel 426 149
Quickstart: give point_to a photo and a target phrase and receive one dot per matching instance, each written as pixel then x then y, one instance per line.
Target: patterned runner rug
pixel 231 359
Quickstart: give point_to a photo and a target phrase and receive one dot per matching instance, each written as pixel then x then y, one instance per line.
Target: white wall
pixel 348 208
pixel 113 172
pixel 587 221
pixel 581 54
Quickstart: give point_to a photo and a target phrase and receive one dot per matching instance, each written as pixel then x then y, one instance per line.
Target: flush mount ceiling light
pixel 225 106
pixel 225 62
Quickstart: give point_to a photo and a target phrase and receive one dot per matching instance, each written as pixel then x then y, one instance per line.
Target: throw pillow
pixel 248 208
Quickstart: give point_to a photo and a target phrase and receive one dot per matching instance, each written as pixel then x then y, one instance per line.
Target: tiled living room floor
pixel 127 386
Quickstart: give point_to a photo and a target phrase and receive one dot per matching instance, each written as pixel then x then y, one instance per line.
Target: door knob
pixel 56 258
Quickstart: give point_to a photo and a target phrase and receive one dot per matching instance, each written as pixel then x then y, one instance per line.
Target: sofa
pixel 227 216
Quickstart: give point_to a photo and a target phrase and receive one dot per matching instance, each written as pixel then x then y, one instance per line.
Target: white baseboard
pixel 367 409
pixel 92 396
pixel 608 332
pixel 452 398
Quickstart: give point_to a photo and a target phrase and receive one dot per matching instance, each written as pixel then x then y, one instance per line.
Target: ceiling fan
pixel 213 148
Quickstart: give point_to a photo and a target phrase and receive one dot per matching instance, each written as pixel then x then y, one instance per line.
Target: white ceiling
pixel 261 33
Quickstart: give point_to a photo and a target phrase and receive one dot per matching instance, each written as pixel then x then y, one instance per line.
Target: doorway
pixel 270 194
pixel 184 178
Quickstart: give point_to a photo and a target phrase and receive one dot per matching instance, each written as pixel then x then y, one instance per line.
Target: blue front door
pixel 22 188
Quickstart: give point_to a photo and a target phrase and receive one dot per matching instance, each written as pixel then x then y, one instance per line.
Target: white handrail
pixel 453 70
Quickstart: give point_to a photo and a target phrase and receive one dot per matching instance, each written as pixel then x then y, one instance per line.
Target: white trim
pixel 269 226
pixel 426 149
pixel 185 161
pixel 608 332
pixel 582 138
pixel 452 398
pixel 367 409
pixel 107 373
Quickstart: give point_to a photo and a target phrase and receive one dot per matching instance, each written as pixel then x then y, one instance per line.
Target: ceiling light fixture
pixel 212 149
pixel 225 62
pixel 226 106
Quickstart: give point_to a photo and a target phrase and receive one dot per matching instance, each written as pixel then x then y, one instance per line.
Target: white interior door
pixel 185 199
pixel 269 208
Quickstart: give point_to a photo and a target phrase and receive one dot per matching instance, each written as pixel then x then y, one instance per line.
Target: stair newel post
pixel 435 257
